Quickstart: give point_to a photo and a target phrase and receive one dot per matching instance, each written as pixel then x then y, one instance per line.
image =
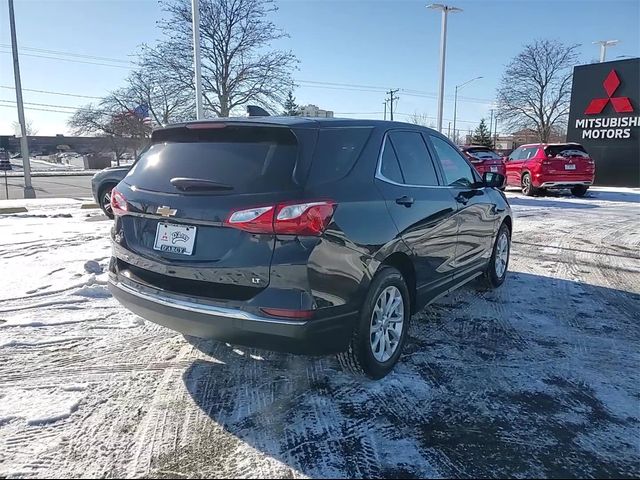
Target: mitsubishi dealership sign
pixel 605 118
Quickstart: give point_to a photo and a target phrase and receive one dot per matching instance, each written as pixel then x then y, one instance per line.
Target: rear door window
pixel 414 158
pixel 457 172
pixel 241 159
pixel 337 150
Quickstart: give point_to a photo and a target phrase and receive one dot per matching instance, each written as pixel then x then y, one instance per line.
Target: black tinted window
pixel 457 171
pixel 247 159
pixel 566 151
pixel 336 152
pixel 483 153
pixel 415 161
pixel 390 168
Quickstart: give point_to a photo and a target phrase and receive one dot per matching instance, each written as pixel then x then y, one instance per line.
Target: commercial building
pixel 314 111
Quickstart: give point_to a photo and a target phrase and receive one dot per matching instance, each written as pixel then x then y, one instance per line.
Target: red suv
pixel 540 166
pixel 484 159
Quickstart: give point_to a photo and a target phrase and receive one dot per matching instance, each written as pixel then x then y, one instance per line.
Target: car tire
pixel 372 351
pixel 496 271
pixel 104 197
pixel 579 190
pixel 526 186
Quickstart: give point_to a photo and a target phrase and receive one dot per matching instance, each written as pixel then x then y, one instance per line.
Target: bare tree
pixel 167 101
pixel 536 87
pixel 117 119
pixel 238 65
pixel 420 119
pixel 31 130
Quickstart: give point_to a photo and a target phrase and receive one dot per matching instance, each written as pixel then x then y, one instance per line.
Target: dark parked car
pixel 538 167
pixel 302 235
pixel 103 182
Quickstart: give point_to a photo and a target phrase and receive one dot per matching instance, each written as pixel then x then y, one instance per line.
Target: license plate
pixel 174 238
pixel 570 166
pixel 494 168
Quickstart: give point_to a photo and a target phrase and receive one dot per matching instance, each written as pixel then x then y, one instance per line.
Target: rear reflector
pixel 308 219
pixel 285 313
pixel 119 205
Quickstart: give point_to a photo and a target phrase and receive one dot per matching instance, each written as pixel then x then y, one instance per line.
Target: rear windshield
pixel 483 153
pixel 240 159
pixel 566 151
pixel 336 152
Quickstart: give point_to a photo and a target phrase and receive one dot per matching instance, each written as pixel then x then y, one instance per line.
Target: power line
pixel 37 109
pixel 67 59
pixel 305 83
pixel 52 93
pixel 44 105
pixel 70 54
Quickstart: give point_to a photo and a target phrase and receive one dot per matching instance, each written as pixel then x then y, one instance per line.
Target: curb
pixel 8 210
pixel 86 206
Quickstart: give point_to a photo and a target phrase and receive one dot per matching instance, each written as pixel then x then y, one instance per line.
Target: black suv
pixel 303 235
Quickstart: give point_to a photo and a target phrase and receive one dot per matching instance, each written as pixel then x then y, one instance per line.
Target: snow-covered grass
pixel 537 378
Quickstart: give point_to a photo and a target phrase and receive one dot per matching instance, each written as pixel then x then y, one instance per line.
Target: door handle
pixel 462 199
pixel 404 200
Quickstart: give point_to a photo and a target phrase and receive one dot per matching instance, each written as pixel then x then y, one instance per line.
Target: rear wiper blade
pixel 198 185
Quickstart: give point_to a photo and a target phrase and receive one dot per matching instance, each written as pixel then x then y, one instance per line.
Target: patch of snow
pixel 92 266
pixel 40 406
pixel 93 291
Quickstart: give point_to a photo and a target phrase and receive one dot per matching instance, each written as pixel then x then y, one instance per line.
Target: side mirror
pixel 492 179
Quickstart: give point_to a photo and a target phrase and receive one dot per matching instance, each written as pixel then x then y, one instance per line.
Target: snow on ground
pixel 537 378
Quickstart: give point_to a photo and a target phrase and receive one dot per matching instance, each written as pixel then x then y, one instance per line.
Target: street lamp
pixel 445 9
pixel 455 104
pixel 603 47
pixel 195 18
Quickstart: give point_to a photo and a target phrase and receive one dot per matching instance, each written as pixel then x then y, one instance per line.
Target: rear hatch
pixel 484 156
pixel 569 160
pixel 183 189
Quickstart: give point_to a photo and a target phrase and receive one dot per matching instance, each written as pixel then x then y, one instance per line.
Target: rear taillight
pixel 309 218
pixel 119 205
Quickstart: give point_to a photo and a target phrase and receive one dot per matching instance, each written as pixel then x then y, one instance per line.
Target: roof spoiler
pixel 255 111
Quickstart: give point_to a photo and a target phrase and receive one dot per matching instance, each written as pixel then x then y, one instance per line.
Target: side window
pixel 414 158
pixel 336 152
pixel 515 155
pixel 390 168
pixel 457 172
pixel 528 153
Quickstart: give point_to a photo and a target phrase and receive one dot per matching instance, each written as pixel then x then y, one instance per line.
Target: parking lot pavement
pixel 536 379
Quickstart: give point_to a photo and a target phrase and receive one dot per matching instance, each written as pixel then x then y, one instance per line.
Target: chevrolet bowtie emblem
pixel 166 211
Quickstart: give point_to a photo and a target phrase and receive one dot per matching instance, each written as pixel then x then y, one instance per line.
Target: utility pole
pixel 443 50
pixel 392 98
pixel 491 124
pixel 449 132
pixel 385 109
pixel 495 133
pixel 455 103
pixel 195 14
pixel 29 192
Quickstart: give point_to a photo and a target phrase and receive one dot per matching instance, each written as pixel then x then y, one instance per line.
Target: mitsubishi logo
pixel 166 211
pixel 620 104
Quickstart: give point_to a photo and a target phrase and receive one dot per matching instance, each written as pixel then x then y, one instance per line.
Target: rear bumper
pixel 561 180
pixel 195 317
pixel 565 184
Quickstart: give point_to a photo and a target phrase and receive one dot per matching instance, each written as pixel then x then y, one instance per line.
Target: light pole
pixel 29 192
pixel 195 14
pixel 445 9
pixel 455 104
pixel 603 47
